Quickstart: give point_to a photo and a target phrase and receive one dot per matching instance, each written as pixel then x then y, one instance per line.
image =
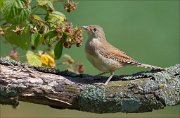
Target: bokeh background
pixel 147 30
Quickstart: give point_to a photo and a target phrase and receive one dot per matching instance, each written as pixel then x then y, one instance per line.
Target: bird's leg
pixel 110 77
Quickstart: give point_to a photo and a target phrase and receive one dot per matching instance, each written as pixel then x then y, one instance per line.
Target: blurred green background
pixel 146 30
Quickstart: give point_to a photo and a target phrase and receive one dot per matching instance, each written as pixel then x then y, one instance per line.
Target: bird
pixel 104 56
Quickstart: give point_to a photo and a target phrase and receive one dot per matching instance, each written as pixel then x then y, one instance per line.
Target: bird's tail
pixel 149 66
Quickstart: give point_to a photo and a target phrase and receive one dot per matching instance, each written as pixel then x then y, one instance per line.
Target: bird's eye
pixel 94 29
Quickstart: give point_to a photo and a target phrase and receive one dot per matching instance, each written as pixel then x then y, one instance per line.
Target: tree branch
pixel 140 92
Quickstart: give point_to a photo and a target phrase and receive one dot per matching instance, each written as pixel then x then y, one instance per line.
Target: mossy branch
pixel 140 92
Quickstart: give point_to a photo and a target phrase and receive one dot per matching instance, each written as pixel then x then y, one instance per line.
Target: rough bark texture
pixel 140 92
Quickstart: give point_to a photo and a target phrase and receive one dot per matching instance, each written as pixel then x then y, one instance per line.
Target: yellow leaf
pixel 47 60
pixel 33 59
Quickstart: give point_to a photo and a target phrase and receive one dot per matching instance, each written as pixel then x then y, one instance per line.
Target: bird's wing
pixel 115 54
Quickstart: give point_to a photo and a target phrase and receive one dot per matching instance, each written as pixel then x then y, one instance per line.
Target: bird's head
pixel 94 31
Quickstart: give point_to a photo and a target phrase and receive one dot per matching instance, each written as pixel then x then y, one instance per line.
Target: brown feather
pixel 114 53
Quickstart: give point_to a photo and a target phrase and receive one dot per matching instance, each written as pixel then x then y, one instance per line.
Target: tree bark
pixel 139 92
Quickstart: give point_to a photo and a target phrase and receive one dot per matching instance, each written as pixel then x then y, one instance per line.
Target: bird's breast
pixel 92 45
pixel 99 61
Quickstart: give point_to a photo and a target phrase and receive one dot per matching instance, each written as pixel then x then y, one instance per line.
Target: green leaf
pixel 51 36
pixel 33 59
pixel 21 40
pixel 1 3
pixel 58 50
pixel 36 39
pixel 47 4
pixel 56 17
pixel 43 2
pixel 15 12
pixel 36 17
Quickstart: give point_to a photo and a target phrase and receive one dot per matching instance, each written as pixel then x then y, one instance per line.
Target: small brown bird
pixel 106 57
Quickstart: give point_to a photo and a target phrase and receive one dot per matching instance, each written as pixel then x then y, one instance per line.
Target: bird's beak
pixel 85 27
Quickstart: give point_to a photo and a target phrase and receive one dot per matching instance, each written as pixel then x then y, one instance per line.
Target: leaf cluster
pixel 23 27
